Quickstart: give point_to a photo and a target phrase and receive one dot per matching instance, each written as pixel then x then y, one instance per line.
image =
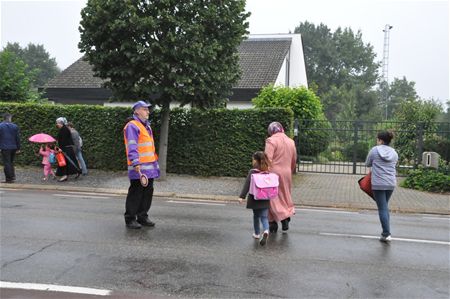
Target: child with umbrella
pixel 46 150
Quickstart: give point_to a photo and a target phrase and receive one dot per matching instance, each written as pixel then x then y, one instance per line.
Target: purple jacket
pixel 151 170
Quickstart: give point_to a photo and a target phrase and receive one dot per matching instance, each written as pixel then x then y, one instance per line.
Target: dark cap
pixel 140 104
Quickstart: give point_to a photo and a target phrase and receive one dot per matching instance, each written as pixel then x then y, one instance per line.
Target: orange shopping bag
pixel 60 159
pixel 366 185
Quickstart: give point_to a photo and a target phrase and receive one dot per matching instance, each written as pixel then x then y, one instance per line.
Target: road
pixel 205 249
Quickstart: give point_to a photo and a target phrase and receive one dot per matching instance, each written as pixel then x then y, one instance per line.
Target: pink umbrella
pixel 42 138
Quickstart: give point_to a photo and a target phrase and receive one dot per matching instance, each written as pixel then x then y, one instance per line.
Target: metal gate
pixel 342 146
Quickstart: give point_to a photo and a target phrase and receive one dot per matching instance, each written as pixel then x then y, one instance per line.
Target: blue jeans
pixel 382 199
pixel 81 162
pixel 260 215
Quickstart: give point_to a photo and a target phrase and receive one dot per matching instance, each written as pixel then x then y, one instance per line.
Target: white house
pixel 263 58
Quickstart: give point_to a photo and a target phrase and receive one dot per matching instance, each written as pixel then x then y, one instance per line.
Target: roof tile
pixel 260 60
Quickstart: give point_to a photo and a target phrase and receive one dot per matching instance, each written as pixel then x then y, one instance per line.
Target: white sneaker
pixel 264 238
pixel 385 239
pixel 256 236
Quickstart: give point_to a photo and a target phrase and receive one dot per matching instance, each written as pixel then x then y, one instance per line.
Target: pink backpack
pixel 264 185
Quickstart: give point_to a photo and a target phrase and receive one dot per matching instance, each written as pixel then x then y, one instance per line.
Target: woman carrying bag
pixel 382 159
pixel 66 147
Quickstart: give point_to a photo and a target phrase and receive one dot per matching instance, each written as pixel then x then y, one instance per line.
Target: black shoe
pixel 146 222
pixel 8 182
pixel 273 227
pixel 133 225
pixel 264 238
pixel 78 175
pixel 285 224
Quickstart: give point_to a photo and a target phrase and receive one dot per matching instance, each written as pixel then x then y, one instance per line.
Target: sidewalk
pixel 310 189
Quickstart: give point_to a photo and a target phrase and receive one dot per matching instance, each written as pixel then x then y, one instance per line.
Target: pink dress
pixel 281 151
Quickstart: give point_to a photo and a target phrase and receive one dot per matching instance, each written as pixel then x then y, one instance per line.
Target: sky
pixel 418 48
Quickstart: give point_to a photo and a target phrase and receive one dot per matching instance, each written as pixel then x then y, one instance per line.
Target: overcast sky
pixel 419 39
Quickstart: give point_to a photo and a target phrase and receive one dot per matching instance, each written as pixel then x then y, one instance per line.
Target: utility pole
pixel 385 78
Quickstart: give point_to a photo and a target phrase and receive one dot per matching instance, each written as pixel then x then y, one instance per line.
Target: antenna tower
pixel 385 78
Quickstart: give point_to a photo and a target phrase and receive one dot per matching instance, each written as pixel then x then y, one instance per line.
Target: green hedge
pixel 219 142
pixel 213 142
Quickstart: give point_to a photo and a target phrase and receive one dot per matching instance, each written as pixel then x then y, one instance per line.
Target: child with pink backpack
pixel 260 187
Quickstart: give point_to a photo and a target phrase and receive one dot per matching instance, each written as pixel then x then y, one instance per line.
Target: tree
pixel 400 90
pixel 39 64
pixel 168 50
pixel 338 58
pixel 339 64
pixel 445 115
pixel 15 83
pixel 353 103
pixel 415 115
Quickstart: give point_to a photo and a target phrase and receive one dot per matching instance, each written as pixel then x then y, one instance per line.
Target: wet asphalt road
pixel 205 249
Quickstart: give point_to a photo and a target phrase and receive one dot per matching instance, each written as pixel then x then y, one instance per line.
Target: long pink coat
pixel 280 149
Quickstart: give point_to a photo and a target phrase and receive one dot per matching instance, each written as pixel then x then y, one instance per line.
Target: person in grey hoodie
pixel 382 159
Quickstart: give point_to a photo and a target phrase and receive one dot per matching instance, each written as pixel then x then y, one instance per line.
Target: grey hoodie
pixel 382 159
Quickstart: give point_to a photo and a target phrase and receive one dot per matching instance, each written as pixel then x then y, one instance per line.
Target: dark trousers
pixel 8 164
pixel 139 200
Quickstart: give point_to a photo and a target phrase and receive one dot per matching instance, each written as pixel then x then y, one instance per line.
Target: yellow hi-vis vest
pixel 145 144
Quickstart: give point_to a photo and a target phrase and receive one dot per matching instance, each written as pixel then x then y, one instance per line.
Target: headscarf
pixel 275 127
pixel 61 120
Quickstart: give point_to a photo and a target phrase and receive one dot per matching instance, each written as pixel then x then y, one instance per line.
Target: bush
pixel 427 180
pixel 214 142
pixel 361 148
pixel 438 144
pixel 306 106
pixel 333 154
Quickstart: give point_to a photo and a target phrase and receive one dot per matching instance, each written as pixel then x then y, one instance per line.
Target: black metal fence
pixel 342 146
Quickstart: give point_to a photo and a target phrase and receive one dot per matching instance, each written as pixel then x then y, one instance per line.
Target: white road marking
pixel 78 196
pixel 92 193
pixel 197 203
pixel 437 218
pixel 52 287
pixel 327 211
pixel 394 239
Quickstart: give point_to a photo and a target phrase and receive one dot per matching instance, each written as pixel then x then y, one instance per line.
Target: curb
pixel 225 198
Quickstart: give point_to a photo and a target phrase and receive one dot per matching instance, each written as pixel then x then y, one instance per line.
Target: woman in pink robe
pixel 281 151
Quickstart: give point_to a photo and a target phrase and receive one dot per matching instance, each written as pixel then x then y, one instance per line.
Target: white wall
pixel 297 66
pixel 239 105
pixel 123 104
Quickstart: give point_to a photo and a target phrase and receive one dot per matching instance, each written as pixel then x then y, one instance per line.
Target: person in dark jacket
pixel 260 207
pixel 66 145
pixel 9 146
